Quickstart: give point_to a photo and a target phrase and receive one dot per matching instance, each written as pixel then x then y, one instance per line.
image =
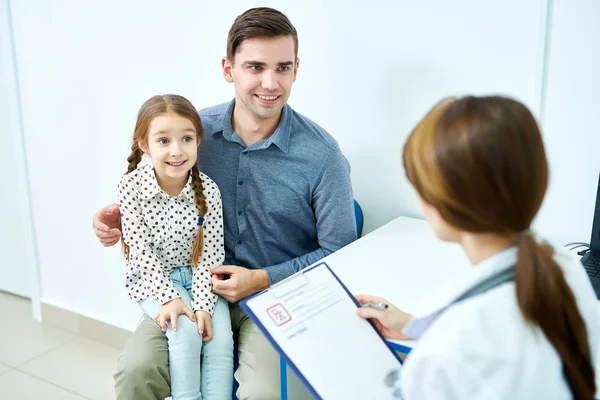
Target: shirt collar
pixel 150 187
pixel 439 300
pixel 280 138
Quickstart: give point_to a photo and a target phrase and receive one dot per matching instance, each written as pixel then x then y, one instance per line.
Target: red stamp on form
pixel 279 314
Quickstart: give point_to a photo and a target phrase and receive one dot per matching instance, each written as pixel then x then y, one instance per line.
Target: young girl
pixel 523 322
pixel 172 236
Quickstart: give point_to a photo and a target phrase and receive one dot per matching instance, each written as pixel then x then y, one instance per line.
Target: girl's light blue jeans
pixel 198 370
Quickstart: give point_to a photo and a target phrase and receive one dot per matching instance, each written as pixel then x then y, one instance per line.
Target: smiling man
pixel 287 202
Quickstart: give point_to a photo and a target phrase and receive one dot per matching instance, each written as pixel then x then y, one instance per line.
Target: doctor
pixel 523 322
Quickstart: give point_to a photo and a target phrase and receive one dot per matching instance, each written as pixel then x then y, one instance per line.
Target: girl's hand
pixel 204 325
pixel 169 311
pixel 389 322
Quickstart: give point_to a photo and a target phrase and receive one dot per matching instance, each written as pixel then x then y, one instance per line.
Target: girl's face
pixel 173 147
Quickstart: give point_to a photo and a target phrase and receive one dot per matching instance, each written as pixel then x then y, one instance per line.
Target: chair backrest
pixel 359 218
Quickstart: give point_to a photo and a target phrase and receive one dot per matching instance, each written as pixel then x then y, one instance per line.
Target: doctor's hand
pixel 389 321
pixel 235 283
pixel 107 225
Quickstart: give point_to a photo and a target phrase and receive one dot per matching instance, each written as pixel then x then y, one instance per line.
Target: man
pixel 287 201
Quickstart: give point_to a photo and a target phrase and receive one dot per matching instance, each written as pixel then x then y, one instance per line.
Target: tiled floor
pixel 42 362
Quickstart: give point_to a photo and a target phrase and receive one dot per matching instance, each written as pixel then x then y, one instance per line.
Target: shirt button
pixel 240 183
pixel 240 212
pixel 239 242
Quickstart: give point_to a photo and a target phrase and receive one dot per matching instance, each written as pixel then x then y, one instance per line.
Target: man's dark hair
pixel 259 22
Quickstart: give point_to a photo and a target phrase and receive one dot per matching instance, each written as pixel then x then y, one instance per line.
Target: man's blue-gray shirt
pixel 287 200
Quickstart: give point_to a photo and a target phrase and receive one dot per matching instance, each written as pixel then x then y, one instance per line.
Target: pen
pixel 378 306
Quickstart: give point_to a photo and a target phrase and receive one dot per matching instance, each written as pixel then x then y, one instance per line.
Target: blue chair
pixel 235 365
pixel 358 214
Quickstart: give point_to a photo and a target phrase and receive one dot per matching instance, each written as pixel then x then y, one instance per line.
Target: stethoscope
pixel 392 378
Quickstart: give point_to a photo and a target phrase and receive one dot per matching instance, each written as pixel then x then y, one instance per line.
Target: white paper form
pixel 312 319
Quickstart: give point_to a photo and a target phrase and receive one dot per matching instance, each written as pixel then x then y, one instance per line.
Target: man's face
pixel 262 72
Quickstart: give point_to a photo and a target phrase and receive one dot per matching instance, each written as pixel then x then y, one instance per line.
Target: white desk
pixel 401 261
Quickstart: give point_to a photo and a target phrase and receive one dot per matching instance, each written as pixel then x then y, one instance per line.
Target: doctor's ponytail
pixel 545 299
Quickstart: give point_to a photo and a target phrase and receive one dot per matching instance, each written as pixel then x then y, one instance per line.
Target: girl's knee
pixel 187 331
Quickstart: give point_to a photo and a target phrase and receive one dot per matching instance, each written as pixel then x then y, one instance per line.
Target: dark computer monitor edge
pixel 595 238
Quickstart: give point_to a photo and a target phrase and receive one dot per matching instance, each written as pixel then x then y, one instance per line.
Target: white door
pixel 16 242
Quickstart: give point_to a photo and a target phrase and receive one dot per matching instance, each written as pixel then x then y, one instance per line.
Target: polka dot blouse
pixel 160 231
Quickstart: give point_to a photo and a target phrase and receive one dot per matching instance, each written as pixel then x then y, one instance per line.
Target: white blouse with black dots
pixel 160 231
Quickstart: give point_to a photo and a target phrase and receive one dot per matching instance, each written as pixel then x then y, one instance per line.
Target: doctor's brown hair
pixel 480 162
pixel 152 108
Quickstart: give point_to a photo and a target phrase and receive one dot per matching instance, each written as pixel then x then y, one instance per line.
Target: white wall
pixel 13 277
pixel 18 269
pixel 572 121
pixel 367 75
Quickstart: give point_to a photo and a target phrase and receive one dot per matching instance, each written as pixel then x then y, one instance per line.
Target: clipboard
pixel 310 318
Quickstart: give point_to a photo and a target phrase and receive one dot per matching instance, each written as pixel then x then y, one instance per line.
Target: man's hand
pixel 389 322
pixel 107 225
pixel 242 282
pixel 170 311
pixel 204 325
